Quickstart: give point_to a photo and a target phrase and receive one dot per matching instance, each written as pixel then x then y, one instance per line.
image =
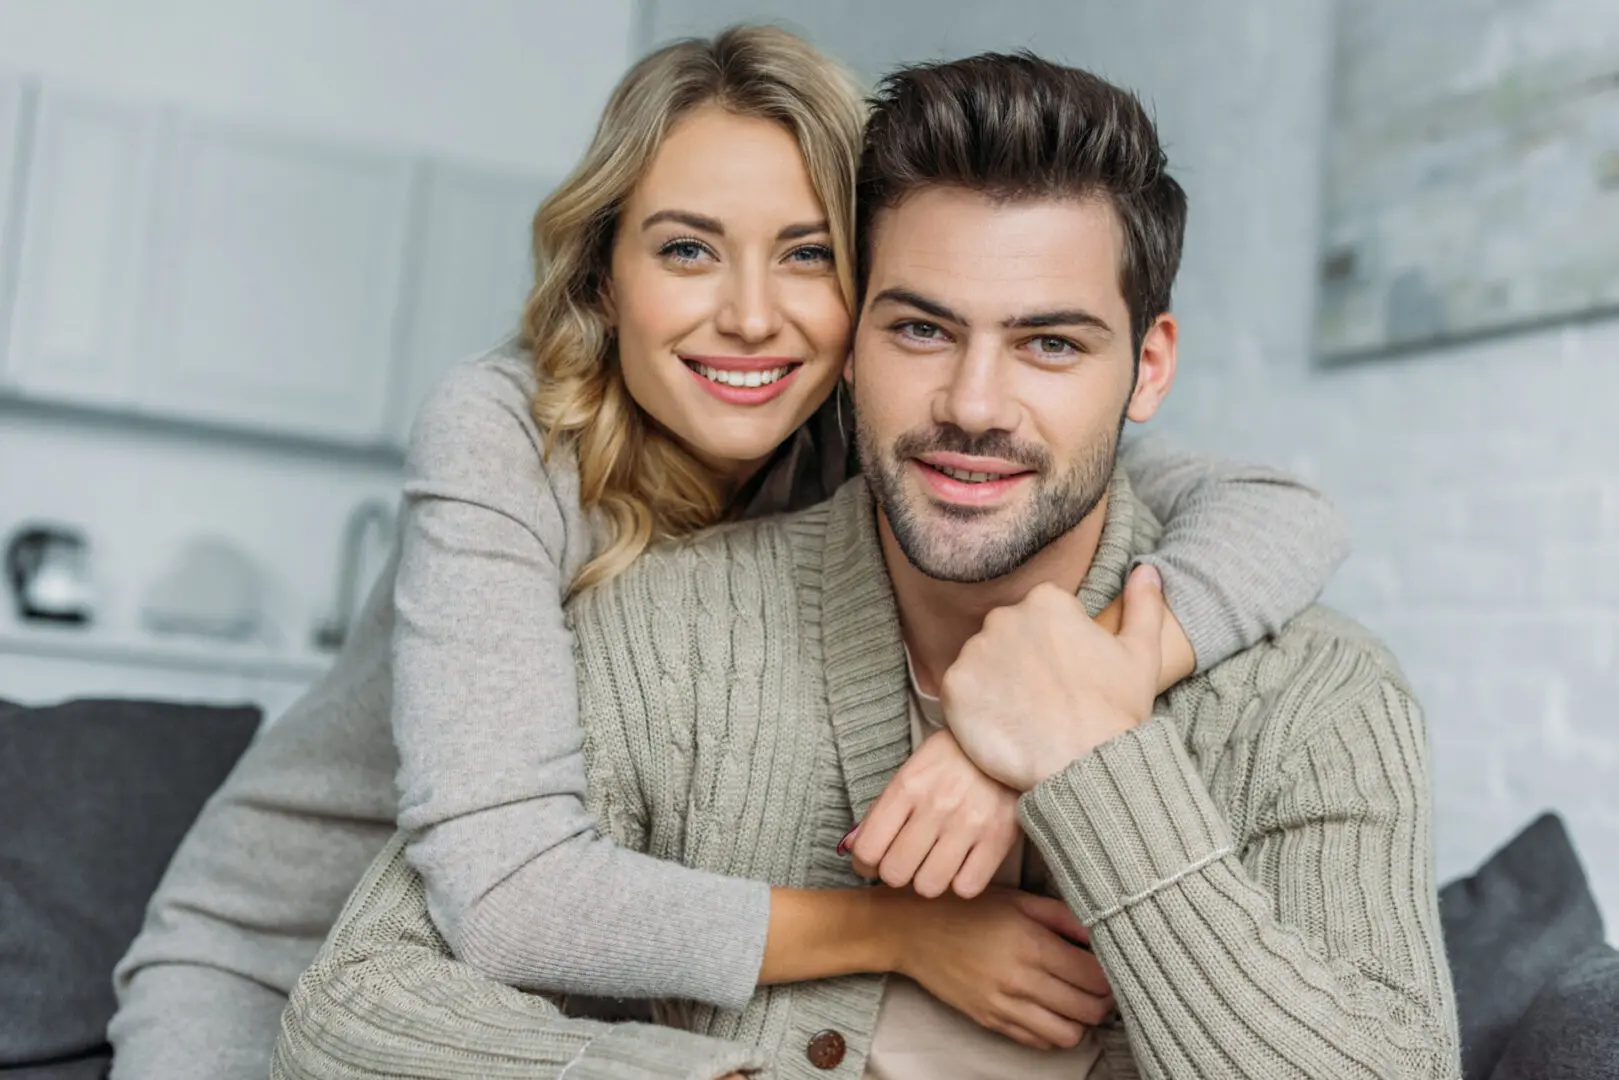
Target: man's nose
pixel 978 397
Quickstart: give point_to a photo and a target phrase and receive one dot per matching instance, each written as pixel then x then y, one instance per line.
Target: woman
pixel 677 368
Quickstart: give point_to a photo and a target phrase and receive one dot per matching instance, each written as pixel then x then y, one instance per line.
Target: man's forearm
pixel 385 998
pixel 1217 974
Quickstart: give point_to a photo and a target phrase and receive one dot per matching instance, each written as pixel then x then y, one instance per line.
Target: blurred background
pixel 1401 279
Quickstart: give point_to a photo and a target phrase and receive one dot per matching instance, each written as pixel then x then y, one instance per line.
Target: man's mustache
pixel 949 439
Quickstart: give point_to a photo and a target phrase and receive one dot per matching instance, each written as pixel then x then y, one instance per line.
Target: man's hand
pixel 940 823
pixel 1041 685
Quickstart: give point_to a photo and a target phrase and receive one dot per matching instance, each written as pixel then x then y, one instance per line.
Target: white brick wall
pixel 1482 482
pixel 1483 486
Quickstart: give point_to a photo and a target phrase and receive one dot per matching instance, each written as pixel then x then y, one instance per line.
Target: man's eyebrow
pixel 687 218
pixel 1045 320
pixel 919 302
pixel 1040 320
pixel 798 232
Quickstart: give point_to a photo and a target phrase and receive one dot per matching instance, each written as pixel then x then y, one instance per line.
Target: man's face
pixel 992 371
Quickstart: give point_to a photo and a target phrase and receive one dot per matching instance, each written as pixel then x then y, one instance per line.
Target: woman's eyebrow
pixel 686 218
pixel 798 232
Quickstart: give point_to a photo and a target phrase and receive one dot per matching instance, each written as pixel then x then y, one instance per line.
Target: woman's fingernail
pixel 843 845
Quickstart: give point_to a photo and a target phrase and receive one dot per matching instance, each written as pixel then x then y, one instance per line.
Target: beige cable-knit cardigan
pixel 1254 861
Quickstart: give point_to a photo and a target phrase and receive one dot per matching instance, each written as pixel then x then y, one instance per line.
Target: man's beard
pixel 1057 505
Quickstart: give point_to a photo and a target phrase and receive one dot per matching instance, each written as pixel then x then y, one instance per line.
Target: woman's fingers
pixel 871 838
pixel 909 849
pixel 1076 967
pixel 1019 1034
pixel 1042 1023
pixel 943 863
pixel 978 870
pixel 1068 1001
pixel 1054 915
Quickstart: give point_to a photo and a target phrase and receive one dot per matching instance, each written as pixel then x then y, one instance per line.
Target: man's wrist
pixel 1075 741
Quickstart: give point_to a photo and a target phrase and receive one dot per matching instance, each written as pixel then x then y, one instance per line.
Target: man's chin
pixel 964 545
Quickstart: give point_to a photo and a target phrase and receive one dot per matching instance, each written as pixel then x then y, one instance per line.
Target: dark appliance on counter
pixel 47 567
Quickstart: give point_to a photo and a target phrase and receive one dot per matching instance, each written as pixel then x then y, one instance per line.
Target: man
pixel 1250 853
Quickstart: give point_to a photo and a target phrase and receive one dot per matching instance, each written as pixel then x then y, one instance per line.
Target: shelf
pixel 257 661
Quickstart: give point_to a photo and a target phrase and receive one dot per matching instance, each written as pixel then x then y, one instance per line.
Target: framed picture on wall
pixel 1472 174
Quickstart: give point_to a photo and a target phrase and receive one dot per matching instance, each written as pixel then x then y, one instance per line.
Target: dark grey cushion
pixel 94 798
pixel 1510 930
pixel 1571 1032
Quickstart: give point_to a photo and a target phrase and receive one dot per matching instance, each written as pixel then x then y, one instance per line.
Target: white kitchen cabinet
pixel 87 190
pixel 470 274
pixel 11 158
pixel 276 280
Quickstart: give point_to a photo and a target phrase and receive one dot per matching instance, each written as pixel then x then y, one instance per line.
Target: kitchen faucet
pixel 371 514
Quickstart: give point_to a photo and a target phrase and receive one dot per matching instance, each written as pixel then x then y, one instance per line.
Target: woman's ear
pixel 848 368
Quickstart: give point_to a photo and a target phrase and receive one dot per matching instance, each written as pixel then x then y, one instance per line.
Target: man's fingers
pixel 1142 625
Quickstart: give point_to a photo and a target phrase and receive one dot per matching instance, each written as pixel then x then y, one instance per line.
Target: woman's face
pixel 731 327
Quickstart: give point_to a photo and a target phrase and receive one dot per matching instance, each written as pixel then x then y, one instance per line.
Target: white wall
pixel 1483 482
pixel 513 83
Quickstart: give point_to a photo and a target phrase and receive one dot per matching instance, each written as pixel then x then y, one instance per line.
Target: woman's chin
pixel 738 452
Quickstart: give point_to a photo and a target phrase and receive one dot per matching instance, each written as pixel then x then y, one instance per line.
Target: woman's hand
pixel 1008 961
pixel 939 824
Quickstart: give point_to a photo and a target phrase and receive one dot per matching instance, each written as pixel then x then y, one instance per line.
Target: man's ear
pixel 1156 370
pixel 848 368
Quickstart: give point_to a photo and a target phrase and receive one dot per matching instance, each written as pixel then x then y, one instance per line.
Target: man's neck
pixel 937 617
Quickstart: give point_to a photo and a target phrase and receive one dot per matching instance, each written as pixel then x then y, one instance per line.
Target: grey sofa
pixel 96 795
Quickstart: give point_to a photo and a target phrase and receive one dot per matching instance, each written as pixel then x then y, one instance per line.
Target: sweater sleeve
pixel 1312 952
pixel 253 888
pixel 492 781
pixel 385 999
pixel 1245 548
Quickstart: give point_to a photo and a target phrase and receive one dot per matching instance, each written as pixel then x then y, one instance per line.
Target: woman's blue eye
pixel 812 253
pixel 683 250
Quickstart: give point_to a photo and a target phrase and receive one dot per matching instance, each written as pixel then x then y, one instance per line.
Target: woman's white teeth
pixel 967 477
pixel 741 378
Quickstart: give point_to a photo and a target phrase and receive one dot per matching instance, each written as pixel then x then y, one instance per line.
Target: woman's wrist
pixel 825 933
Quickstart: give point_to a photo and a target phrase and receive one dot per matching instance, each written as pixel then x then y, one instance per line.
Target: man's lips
pixel 968 463
pixel 967 480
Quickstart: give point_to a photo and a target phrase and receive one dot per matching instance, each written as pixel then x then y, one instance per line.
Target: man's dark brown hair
pixel 1018 127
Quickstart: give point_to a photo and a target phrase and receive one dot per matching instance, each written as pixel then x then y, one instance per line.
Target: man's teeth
pixel 741 378
pixel 969 477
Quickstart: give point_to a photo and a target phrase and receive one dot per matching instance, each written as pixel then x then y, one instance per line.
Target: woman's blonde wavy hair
pixel 645 485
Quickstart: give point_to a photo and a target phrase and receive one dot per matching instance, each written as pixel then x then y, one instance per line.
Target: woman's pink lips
pixel 745 395
pixel 742 363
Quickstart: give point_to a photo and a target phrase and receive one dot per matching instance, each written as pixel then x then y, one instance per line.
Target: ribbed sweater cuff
pixel 654 1052
pixel 1125 821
